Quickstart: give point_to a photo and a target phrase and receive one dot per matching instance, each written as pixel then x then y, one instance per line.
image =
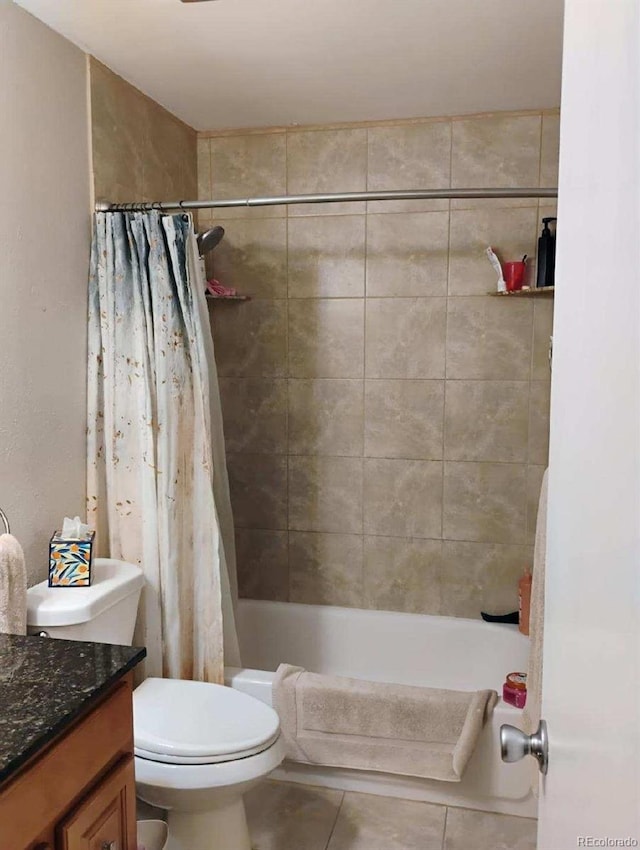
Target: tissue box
pixel 70 561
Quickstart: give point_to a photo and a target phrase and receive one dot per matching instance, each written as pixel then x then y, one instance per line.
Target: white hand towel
pixel 13 587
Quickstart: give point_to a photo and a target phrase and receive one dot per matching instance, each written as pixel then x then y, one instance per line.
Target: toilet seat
pixel 179 722
pixel 204 777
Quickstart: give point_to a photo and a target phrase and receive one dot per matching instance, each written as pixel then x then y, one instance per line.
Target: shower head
pixel 208 240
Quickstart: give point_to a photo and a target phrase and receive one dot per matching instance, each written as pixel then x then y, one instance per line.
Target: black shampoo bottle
pixel 546 255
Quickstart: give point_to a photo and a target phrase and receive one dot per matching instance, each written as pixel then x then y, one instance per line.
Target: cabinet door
pixel 106 818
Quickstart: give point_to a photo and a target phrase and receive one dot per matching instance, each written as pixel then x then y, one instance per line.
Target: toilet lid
pixel 183 722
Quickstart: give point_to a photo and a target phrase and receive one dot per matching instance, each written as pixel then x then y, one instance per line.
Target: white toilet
pixel 198 747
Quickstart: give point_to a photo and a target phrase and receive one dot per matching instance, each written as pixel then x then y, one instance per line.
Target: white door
pixel 591 685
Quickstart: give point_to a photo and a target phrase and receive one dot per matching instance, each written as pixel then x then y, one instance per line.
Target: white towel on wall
pixel 13 587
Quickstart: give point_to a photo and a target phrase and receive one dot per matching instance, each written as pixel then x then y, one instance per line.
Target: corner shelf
pixel 527 293
pixel 210 297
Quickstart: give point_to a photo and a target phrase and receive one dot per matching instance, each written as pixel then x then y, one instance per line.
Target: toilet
pixel 198 746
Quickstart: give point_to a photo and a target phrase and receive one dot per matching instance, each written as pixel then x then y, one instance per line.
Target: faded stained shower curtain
pixel 157 486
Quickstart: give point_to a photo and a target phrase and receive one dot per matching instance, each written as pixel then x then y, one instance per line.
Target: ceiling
pixel 252 63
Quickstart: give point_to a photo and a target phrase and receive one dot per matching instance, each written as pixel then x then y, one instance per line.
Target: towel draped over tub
pixel 402 729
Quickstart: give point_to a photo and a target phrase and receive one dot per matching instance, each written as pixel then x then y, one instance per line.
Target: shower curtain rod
pixel 400 195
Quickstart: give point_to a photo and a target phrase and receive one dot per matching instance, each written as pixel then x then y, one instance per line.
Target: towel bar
pixel 4 519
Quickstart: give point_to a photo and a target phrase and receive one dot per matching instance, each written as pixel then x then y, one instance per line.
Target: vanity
pixel 66 745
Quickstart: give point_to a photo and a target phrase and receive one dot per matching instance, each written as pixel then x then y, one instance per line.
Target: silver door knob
pixel 516 744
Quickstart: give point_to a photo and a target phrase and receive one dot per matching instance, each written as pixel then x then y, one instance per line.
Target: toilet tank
pixel 104 612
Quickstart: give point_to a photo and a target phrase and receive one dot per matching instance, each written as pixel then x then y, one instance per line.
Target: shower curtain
pixel 157 486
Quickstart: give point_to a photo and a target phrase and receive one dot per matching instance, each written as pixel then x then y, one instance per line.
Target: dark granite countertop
pixel 45 684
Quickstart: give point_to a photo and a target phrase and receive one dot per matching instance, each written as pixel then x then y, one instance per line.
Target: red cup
pixel 514 275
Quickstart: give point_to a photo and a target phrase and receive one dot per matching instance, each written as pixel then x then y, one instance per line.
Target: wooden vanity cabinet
pixel 78 793
pixel 103 820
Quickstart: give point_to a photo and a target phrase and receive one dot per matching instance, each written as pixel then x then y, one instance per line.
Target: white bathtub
pixel 411 649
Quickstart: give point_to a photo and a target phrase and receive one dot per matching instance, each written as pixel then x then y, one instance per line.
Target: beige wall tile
pixel 534 483
pixel 250 338
pixel 118 135
pixel 542 332
pixel 252 257
pixel 495 151
pixel 407 254
pixel 255 414
pixel 481 577
pixel 326 569
pixel 203 221
pixel 403 574
pixel 326 256
pixel 489 338
pixel 258 485
pixel 486 420
pixel 141 152
pixel 161 174
pixel 326 338
pixel 189 172
pixel 409 156
pixel 204 171
pixel 263 564
pixel 369 822
pixel 550 150
pixel 283 816
pixel 325 494
pixel 546 208
pixel 539 422
pixel 403 498
pixel 326 161
pixel 510 232
pixel 488 831
pixel 405 337
pixel 249 166
pixel 404 419
pixel 484 502
pixel 168 144
pixel 326 416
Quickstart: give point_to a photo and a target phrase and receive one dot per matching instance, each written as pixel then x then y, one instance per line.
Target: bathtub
pixel 411 649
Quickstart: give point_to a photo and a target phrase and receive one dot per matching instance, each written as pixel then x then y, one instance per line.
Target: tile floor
pixel 299 817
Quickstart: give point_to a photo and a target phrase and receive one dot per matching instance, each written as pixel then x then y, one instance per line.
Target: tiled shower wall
pixel 386 420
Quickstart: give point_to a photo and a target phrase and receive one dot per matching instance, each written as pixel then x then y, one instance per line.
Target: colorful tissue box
pixel 70 561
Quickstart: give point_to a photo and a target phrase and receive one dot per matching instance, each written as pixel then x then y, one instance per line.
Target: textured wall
pixel 386 421
pixel 140 151
pixel 44 221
